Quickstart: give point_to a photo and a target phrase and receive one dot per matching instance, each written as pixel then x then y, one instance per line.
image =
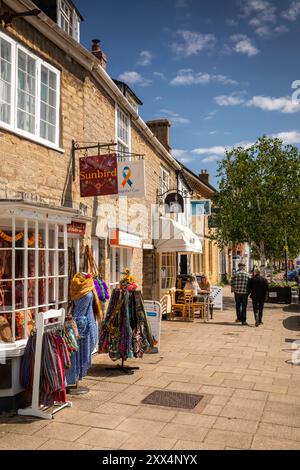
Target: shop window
pixel 33 276
pixel 29 94
pixel 168 271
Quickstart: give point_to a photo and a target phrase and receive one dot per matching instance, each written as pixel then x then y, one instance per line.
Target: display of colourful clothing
pixel 83 315
pixel 125 332
pixel 54 361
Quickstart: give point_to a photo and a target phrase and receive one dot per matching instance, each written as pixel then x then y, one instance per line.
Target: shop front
pixel 33 279
pixel 176 249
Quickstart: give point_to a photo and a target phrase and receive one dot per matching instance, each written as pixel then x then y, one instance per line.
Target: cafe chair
pixel 176 307
pixel 193 307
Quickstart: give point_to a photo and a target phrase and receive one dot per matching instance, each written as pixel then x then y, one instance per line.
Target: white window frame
pixel 55 276
pixel 73 21
pixel 119 140
pixel 12 126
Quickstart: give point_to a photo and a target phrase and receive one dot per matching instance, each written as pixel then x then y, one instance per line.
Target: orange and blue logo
pixel 127 173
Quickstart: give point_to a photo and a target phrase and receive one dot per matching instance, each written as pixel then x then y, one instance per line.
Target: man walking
pixel 258 288
pixel 240 286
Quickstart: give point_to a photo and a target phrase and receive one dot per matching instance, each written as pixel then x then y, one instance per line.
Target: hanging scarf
pixel 81 286
pixel 102 289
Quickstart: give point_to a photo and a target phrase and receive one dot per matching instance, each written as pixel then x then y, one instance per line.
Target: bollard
pixel 295 295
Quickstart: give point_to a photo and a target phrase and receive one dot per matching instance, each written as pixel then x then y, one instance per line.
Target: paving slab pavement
pixel 250 386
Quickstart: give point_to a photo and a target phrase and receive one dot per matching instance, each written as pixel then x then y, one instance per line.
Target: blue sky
pixel 221 71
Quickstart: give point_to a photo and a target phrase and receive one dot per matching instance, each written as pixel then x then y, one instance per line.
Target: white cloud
pixel 183 156
pixel 212 158
pixel 263 31
pixel 212 133
pixel 211 115
pixel 134 78
pixel 244 45
pixel 192 43
pixel 145 58
pixel 293 12
pixel 254 6
pixel 181 4
pixel 289 138
pixel 159 75
pixel 284 105
pixel 232 22
pixel 158 98
pixel 281 29
pixel 233 99
pixel 210 150
pixel 174 117
pixel 187 77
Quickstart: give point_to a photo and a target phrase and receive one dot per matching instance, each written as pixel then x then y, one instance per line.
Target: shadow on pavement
pixel 292 323
pixel 292 308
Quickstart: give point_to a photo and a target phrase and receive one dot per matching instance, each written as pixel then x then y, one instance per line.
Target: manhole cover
pixel 173 399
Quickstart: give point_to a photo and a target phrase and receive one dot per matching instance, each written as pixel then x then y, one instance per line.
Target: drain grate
pixel 186 401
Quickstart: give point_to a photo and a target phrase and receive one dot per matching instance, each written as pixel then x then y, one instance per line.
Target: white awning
pixel 176 238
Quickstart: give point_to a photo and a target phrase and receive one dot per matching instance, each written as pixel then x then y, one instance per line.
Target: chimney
pixel 204 176
pixel 98 53
pixel 161 130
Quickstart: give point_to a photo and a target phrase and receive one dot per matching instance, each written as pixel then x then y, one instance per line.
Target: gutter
pixel 83 57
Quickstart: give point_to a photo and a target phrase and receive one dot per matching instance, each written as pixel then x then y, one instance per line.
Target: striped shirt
pixel 239 283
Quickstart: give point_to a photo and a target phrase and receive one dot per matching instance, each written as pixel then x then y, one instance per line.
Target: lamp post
pixel 286 250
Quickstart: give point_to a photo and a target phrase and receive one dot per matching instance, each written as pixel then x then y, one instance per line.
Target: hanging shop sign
pixel 129 240
pixel 76 228
pixel 154 315
pixel 201 208
pixel 131 176
pixel 98 175
pixel 174 203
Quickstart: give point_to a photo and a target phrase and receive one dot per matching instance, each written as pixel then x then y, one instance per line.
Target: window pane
pixel 19 294
pixel 42 291
pixel 5 81
pixel 5 264
pixel 5 70
pixel 31 293
pixel 48 106
pixel 5 111
pixel 52 80
pixel 26 92
pixel 5 50
pixel 44 76
pixel 5 328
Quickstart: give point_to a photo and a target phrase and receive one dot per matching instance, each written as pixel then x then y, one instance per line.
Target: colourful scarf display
pixel 125 332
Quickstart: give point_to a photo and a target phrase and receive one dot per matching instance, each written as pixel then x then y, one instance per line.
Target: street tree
pixel 259 198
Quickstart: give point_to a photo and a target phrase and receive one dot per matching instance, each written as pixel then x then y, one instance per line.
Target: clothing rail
pixel 42 323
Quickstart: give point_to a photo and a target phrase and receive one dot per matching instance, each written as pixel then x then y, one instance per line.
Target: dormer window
pixel 68 19
pixel 64 13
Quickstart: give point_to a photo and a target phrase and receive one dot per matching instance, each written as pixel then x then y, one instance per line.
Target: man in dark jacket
pixel 258 288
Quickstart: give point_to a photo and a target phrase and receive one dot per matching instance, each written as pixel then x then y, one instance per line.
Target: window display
pixel 33 274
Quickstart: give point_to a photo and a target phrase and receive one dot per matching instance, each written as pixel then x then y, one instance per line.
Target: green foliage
pixel 259 198
pixel 283 284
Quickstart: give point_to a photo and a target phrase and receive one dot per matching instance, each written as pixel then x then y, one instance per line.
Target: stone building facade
pixel 37 173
